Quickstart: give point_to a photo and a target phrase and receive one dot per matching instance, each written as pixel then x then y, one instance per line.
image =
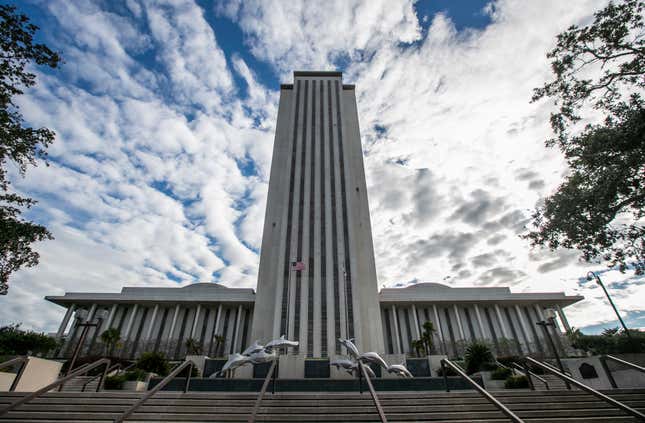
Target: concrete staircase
pixel 453 407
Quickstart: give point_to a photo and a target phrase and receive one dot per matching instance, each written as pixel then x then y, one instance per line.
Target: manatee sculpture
pixel 399 370
pixel 349 345
pixel 280 342
pixel 372 357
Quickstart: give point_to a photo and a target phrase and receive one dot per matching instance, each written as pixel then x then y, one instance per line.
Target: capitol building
pixel 317 277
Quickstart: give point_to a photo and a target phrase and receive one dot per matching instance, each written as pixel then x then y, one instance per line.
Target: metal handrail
pixel 589 389
pixel 268 377
pixel 158 387
pixel 527 370
pixel 57 382
pixel 13 361
pixel 111 369
pixel 21 359
pixel 501 407
pixel 377 403
pixel 603 361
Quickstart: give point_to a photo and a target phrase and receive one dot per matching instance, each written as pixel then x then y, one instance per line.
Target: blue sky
pixel 165 111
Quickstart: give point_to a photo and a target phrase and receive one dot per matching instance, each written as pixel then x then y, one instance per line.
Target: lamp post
pixel 544 324
pixel 597 278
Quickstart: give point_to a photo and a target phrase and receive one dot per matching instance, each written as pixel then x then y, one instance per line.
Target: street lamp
pixel 550 321
pixel 591 275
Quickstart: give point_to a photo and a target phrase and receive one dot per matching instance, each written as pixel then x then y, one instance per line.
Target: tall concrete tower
pixel 317 278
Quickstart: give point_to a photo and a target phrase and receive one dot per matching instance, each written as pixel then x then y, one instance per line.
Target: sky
pixel 165 114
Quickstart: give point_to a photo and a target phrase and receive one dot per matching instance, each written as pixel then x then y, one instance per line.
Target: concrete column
pixel 65 322
pixel 479 321
pixel 173 324
pixel 439 329
pixel 502 324
pixel 110 319
pixel 128 328
pixel 153 319
pixel 397 336
pixel 195 320
pixel 459 325
pixel 563 318
pixel 538 310
pixel 216 326
pixel 236 335
pixel 415 316
pixel 91 313
pixel 525 329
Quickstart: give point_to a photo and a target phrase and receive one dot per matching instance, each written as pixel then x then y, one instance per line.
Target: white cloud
pixel 160 167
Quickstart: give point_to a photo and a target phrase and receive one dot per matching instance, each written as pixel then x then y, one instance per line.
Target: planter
pixel 134 385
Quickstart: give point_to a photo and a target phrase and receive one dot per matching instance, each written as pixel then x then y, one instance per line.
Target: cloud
pixel 160 170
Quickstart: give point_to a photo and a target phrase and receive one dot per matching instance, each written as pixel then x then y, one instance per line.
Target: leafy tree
pixel 19 144
pixel 193 346
pixel 110 338
pixel 15 341
pixel 599 208
pixel 153 362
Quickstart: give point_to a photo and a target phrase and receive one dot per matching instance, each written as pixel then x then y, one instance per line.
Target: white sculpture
pixel 399 370
pixel 255 347
pixel 234 361
pixel 256 353
pixel 366 358
pixel 372 357
pixel 349 345
pixel 280 343
pixel 263 356
pixel 350 366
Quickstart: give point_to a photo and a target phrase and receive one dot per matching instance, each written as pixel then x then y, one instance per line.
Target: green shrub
pixel 477 355
pixel 516 382
pixel 449 371
pixel 501 373
pixel 114 382
pixel 135 374
pixel 508 360
pixel 153 362
pixel 14 341
pixel 610 343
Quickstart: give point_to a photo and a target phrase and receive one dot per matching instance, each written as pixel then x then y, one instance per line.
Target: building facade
pixel 317 277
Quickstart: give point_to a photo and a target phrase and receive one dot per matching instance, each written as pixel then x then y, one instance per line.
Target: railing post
pixel 527 371
pixel 605 367
pixel 360 378
pixel 190 371
pixel 445 376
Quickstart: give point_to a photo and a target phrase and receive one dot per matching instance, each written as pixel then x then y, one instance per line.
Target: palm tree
pixel 110 338
pixel 426 336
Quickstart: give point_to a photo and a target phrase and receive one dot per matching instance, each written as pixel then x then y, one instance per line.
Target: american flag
pixel 297 265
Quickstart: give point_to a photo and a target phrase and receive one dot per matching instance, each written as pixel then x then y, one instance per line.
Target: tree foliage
pixel 15 341
pixel 600 206
pixel 20 144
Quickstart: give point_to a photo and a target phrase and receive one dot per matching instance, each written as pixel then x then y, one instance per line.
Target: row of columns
pixel 160 326
pixel 513 322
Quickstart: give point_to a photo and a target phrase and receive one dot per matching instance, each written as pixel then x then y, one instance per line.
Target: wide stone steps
pixel 453 407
